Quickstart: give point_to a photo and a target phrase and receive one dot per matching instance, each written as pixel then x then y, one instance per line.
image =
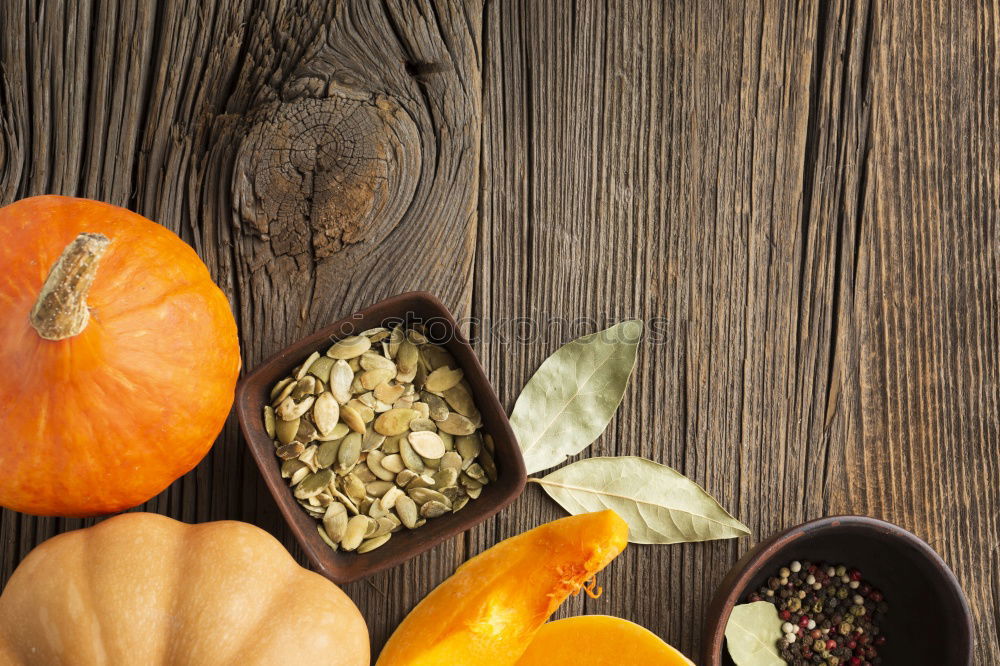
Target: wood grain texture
pixel 318 156
pixel 800 198
pixel 785 194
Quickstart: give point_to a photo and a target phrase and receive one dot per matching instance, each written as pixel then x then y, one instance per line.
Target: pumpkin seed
pixel 468 446
pixel 405 477
pixel 372 524
pixel 406 509
pixel 289 451
pixel 371 544
pixel 269 421
pixel 468 482
pixel 299 474
pixel 372 378
pixel 372 360
pixel 445 478
pixel 391 444
pixel 341 377
pixel 327 453
pixel 304 368
pixel 375 511
pixel 349 453
pixel 420 481
pixel 488 441
pixel 374 461
pixel 404 410
pixel 306 431
pixel 393 463
pixel 355 531
pixel 372 440
pixel 321 367
pixel 350 347
pixel 433 509
pixel 354 488
pixel 378 487
pixel 326 538
pixel 352 418
pixel 339 432
pixel 422 495
pixel 422 424
pixel 313 484
pixel 308 457
pixel 437 408
pixel 363 473
pixel 406 362
pixel 326 412
pixel 335 521
pixel 451 460
pixel 388 393
pixel 364 411
pixel 456 424
pixel 476 472
pixel 389 498
pixel 410 457
pixel 385 525
pixel 460 400
pixel 406 402
pixel 396 337
pixel 303 387
pixel 289 409
pixel 427 444
pixel 343 499
pixel 372 332
pixel 488 464
pixel 442 379
pixel 394 421
pixel 279 388
pixel 284 392
pixel 289 467
pixel 436 357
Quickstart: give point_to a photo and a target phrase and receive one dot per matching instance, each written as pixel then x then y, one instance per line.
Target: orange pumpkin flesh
pixel 598 640
pixel 105 418
pixel 489 610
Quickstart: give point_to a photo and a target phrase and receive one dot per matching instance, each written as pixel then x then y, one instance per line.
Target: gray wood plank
pixel 788 200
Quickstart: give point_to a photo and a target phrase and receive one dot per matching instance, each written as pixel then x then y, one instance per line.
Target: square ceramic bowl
pixel 413 307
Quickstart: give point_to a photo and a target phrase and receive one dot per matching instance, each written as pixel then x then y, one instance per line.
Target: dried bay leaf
pixel 570 400
pixel 660 504
pixel 752 635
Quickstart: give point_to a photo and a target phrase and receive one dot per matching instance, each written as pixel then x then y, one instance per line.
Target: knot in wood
pixel 326 176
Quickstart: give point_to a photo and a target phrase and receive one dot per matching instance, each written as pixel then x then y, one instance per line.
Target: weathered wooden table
pixel 802 199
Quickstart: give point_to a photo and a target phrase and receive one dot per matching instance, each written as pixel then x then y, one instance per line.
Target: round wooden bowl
pixel 928 621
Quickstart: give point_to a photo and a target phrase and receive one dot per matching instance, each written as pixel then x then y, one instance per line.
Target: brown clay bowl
pixel 340 567
pixel 928 621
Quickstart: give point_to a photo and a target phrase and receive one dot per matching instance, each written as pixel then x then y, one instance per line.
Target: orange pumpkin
pixel 598 640
pixel 490 609
pixel 120 357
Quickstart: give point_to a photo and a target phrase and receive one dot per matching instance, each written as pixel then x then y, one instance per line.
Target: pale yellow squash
pixel 143 589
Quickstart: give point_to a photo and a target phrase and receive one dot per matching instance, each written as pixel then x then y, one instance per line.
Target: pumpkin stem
pixel 61 309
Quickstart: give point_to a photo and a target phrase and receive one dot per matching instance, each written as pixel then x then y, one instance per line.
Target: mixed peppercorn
pixel 829 614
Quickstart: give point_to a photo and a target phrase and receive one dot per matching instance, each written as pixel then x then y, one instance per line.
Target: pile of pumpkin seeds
pixel 378 434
